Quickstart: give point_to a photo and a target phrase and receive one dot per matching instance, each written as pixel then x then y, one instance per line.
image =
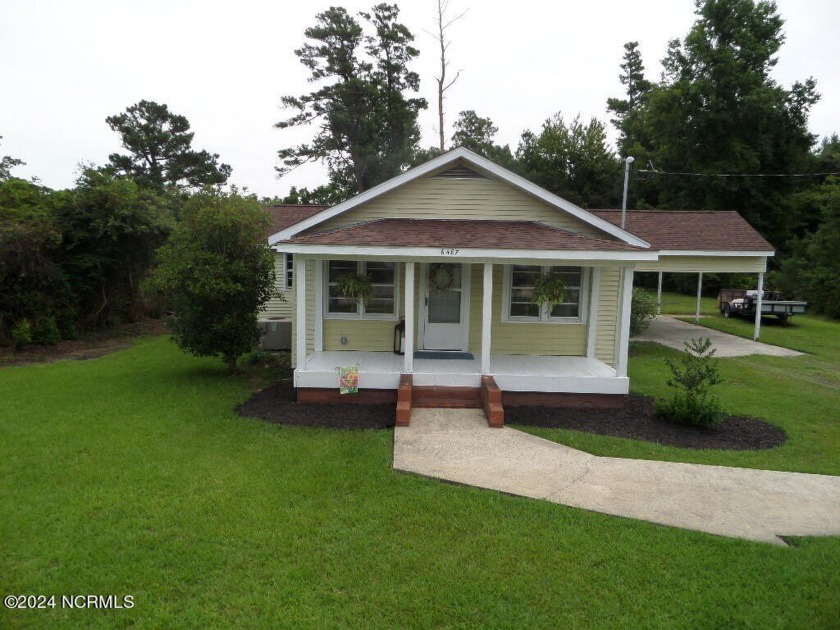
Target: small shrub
pixel 22 334
pixel 691 402
pixel 45 332
pixel 643 308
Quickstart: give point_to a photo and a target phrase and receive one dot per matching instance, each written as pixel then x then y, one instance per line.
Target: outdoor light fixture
pixel 399 338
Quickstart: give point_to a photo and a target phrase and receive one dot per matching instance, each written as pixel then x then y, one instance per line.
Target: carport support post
pixel 699 289
pixel 758 300
pixel 659 293
pixel 408 365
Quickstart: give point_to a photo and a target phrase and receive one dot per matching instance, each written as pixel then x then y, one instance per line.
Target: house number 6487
pixel 449 252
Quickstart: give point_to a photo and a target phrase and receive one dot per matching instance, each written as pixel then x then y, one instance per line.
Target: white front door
pixel 447 306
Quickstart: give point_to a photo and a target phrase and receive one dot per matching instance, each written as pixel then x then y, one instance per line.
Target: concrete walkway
pixel 761 505
pixel 674 332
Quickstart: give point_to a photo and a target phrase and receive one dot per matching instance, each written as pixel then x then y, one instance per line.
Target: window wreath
pixel 441 277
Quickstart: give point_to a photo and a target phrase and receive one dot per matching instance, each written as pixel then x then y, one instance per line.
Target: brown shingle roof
pixel 286 215
pixel 703 230
pixel 460 233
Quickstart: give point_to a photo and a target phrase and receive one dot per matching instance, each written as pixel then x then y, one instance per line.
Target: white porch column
pixel 624 327
pixel 486 318
pixel 408 363
pixel 758 301
pixel 699 289
pixel 300 312
pixel 592 330
pixel 659 293
pixel 319 306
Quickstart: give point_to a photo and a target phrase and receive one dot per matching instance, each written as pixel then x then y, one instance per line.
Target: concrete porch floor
pixel 761 505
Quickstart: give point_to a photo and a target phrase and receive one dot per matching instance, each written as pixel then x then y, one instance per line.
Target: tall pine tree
pixel 368 128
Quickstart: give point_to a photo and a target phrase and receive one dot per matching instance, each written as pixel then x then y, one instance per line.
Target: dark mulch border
pixel 636 420
pixel 276 404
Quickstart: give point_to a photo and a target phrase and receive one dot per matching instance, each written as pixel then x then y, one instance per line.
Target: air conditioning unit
pixel 276 333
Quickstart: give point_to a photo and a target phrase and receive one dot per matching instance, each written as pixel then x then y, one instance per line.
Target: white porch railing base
pixel 519 373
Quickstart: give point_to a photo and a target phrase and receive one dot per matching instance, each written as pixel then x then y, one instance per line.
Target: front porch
pixel 512 373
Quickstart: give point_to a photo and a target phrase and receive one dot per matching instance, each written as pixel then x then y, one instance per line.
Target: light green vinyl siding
pixel 709 264
pixel 310 307
pixel 519 338
pixel 369 335
pixel 609 301
pixel 481 199
pixel 275 307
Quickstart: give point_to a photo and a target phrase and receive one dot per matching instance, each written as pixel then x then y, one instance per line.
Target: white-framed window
pixel 383 279
pixel 288 271
pixel 519 284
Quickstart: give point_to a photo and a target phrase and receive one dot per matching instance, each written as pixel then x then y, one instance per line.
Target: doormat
pixel 442 354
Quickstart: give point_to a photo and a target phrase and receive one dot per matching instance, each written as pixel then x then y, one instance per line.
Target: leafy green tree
pixel 111 227
pixel 718 110
pixel 7 163
pixel 812 272
pixel 32 286
pixel 477 134
pixel 573 161
pixel 643 308
pixel 215 273
pixel 368 128
pixel 160 153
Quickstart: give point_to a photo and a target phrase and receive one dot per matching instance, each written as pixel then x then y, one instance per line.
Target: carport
pixel 698 242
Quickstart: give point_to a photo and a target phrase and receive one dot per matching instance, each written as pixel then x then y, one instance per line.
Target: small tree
pixel 692 402
pixel 215 273
pixel 643 308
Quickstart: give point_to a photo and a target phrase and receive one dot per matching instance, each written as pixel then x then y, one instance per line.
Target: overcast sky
pixel 224 65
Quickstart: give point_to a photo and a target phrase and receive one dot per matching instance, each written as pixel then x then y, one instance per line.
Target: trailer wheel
pixel 727 312
pixel 783 317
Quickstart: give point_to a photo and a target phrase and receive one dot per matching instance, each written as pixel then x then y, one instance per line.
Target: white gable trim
pixel 478 161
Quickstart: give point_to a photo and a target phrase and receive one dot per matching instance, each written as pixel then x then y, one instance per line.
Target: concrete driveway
pixel 761 505
pixel 674 333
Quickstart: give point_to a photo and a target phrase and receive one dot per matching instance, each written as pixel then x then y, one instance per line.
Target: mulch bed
pixel 276 404
pixel 637 421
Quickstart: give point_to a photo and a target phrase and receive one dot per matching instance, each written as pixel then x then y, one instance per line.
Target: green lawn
pixel 130 475
pixel 680 304
pixel 800 394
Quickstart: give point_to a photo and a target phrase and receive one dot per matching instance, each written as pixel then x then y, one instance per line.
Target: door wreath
pixel 441 277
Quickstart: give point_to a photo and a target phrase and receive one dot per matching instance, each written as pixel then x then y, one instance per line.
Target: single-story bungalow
pixel 451 254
